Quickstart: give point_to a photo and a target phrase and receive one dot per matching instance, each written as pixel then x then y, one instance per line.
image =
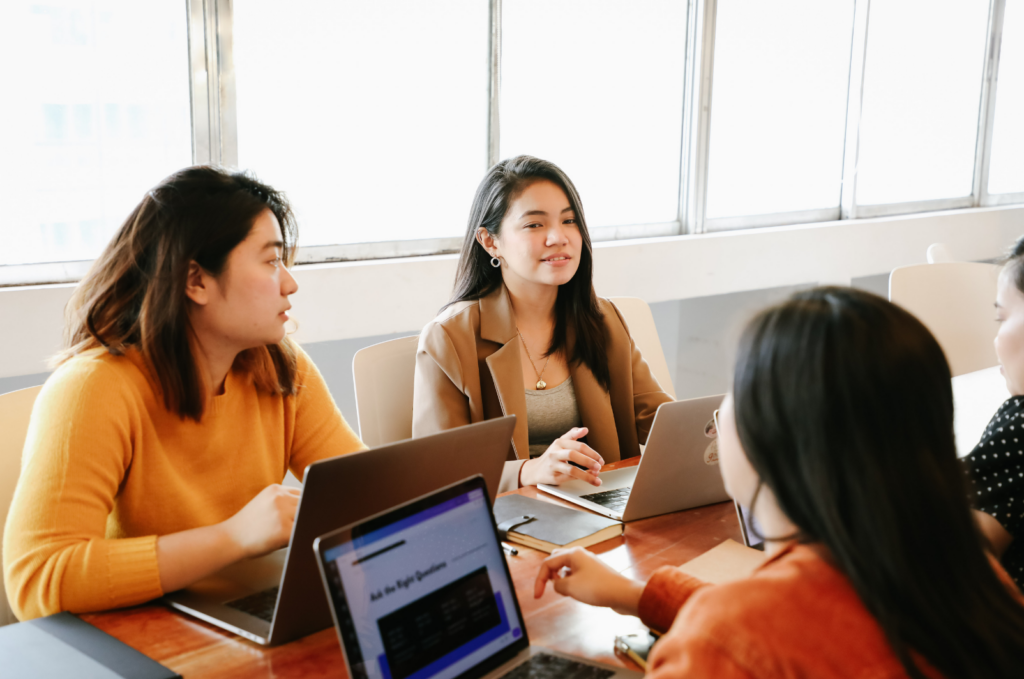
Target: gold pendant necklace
pixel 541 384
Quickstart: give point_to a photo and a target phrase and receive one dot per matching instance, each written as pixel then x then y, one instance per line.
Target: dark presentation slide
pixel 430 628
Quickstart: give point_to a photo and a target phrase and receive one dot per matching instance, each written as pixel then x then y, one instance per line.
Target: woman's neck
pixel 215 365
pixel 534 304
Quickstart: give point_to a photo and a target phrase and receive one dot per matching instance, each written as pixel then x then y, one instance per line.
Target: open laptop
pixel 678 469
pixel 278 597
pixel 423 591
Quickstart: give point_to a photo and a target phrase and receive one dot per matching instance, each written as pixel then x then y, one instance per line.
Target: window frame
pixel 215 139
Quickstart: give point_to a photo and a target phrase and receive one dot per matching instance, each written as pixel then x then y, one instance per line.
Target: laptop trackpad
pixel 242 578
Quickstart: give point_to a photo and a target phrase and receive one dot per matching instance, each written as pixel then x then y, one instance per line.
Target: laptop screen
pixel 423 591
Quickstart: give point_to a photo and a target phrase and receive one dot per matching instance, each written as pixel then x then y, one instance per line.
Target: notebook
pixel 552 526
pixel 423 591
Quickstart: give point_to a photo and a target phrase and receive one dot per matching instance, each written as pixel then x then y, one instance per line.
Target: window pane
pixel 101 114
pixel 922 90
pixel 778 108
pixel 596 86
pixel 1006 173
pixel 372 116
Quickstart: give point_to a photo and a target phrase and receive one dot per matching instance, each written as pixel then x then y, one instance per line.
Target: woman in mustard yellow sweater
pixel 156 449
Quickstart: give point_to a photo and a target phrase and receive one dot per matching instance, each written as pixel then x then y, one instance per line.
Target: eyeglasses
pixel 714 418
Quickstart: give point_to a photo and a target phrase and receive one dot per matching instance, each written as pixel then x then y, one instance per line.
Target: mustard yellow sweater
pixel 106 469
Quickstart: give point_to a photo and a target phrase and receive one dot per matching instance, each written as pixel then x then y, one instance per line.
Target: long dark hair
pixel 134 294
pixel 579 326
pixel 1014 262
pixel 844 408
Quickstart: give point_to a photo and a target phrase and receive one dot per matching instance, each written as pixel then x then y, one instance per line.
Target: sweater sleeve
pixel 666 592
pixel 320 431
pixel 77 451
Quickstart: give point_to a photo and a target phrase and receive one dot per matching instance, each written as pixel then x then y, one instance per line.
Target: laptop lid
pixel 340 490
pixel 423 591
pixel 336 492
pixel 679 469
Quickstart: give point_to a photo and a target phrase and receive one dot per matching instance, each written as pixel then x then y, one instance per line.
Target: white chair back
pixel 383 377
pixel 954 300
pixel 640 320
pixel 15 410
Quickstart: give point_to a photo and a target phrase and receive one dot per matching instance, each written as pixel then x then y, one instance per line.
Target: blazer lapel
pixel 498 325
pixel 596 413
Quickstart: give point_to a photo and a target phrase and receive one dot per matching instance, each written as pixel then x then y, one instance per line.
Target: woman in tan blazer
pixel 523 326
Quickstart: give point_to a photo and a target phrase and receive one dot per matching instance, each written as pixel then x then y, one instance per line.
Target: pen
pixel 509 549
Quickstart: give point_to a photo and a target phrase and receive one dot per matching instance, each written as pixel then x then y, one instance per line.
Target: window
pixel 778 109
pixel 371 116
pixel 1006 173
pixel 101 115
pixel 379 118
pixel 922 87
pixel 596 86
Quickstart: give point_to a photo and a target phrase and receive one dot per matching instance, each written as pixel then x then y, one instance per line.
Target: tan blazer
pixel 468 370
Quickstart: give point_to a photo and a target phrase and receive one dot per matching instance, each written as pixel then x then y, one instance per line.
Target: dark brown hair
pixel 579 325
pixel 1014 262
pixel 134 294
pixel 844 407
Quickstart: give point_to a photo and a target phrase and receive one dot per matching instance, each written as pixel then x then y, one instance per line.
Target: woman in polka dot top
pixel 996 465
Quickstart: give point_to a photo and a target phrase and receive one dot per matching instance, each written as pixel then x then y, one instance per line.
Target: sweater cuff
pixel 133 576
pixel 666 592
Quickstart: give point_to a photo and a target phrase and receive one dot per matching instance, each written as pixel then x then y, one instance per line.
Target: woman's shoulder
pixel 96 384
pixel 796 599
pixel 455 321
pixel 99 372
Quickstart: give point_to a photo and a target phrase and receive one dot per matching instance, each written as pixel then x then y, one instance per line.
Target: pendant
pixel 541 384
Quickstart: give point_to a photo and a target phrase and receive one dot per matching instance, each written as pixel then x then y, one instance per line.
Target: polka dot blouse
pixel 996 470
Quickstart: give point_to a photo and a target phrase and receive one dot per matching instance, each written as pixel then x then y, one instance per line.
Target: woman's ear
pixel 489 242
pixel 196 284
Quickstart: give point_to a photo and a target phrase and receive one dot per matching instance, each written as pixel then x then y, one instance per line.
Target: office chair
pixel 15 410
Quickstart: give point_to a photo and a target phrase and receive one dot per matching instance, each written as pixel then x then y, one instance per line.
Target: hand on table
pixel 553 466
pixel 579 574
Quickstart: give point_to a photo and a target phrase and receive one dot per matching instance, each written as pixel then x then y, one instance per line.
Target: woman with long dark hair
pixel 525 334
pixel 839 434
pixel 996 465
pixel 156 449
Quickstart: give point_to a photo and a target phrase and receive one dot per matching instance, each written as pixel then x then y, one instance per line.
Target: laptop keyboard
pixel 612 499
pixel 260 604
pixel 545 666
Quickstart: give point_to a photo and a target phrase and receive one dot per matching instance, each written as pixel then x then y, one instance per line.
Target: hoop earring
pixel 495 262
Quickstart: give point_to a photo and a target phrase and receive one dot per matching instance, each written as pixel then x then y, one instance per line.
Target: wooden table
pixel 195 649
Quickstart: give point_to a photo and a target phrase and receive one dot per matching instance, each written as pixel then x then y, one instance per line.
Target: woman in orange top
pixel 156 450
pixel 838 434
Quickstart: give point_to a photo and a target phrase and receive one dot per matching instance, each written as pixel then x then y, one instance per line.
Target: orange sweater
pixel 797 616
pixel 106 469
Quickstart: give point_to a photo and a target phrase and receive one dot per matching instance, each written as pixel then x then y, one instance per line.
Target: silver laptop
pixel 678 469
pixel 423 591
pixel 278 597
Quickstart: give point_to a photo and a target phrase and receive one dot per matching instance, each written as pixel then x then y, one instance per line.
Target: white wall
pixel 388 297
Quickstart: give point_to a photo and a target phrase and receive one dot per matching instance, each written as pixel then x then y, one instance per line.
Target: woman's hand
pixel 260 527
pixel 265 524
pixel 553 466
pixel 581 575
